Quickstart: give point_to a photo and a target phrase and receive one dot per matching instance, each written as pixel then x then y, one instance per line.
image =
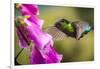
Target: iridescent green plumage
pixel 67 27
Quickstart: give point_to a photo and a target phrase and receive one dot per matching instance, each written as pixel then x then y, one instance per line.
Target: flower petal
pixel 38 36
pixel 22 42
pixel 29 9
pixel 50 54
pixel 36 57
pixel 35 20
pixel 45 55
pixel 23 35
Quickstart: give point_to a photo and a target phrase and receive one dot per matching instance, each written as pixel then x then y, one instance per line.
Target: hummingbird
pixel 75 29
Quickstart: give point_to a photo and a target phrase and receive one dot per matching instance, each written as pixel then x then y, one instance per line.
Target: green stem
pixel 19 53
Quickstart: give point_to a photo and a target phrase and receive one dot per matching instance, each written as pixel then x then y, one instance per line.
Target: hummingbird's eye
pixel 63 21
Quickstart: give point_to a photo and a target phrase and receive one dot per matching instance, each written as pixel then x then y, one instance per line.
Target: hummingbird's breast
pixel 72 34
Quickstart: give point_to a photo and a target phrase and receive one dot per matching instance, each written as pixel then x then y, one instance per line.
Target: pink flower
pixel 28 9
pixel 30 31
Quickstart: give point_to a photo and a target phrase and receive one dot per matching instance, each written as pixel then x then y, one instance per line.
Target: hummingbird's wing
pixel 56 33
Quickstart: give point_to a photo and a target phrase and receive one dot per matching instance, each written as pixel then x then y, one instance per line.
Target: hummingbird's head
pixel 60 23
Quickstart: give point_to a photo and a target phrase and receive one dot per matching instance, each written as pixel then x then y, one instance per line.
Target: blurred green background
pixel 72 49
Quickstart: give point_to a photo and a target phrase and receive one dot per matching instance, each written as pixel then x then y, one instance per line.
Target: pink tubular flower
pixel 30 31
pixel 28 9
